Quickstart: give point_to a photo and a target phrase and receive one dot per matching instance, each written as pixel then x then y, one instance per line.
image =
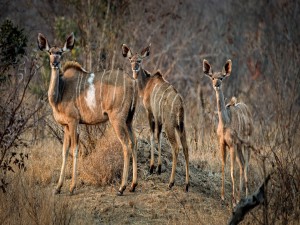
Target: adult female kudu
pixel 234 128
pixel 165 108
pixel 79 97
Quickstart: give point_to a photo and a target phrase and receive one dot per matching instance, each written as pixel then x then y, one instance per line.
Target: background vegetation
pixel 262 38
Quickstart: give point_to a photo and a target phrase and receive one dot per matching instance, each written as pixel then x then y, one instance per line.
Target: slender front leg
pixel 65 153
pixel 223 158
pixel 74 145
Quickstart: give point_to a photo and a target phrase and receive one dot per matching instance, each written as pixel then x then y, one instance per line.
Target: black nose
pixel 55 64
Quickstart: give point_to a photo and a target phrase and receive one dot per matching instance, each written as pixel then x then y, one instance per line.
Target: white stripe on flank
pixel 166 100
pixel 173 102
pixel 114 95
pixel 162 96
pixel 90 96
pixel 158 91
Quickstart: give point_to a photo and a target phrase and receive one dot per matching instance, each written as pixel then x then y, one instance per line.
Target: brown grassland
pixel 262 38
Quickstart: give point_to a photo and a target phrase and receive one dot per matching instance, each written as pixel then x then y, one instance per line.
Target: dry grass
pixel 104 165
pixel 26 202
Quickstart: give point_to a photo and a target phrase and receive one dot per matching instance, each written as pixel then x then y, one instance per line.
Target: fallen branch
pixel 247 204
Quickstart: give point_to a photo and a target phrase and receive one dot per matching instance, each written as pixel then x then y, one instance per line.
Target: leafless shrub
pixel 17 108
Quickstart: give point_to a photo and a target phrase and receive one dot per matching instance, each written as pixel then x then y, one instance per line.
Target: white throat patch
pixel 90 97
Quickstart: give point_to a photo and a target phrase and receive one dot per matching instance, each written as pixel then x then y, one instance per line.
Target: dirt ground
pixel 153 202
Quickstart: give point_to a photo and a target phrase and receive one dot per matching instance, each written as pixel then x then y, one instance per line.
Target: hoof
pixel 71 192
pixel 151 169
pixel 57 191
pixel 187 187
pixel 121 190
pixel 171 185
pixel 132 188
pixel 159 169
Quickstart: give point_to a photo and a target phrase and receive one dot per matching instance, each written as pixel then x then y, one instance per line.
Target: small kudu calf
pixel 165 109
pixel 234 128
pixel 79 97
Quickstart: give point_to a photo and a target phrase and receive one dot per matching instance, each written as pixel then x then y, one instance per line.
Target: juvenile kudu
pixel 80 97
pixel 234 128
pixel 165 109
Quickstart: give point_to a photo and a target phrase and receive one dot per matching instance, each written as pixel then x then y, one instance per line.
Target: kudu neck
pixel 142 81
pixel 222 111
pixel 53 91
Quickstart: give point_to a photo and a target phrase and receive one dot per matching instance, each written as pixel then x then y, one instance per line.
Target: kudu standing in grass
pixel 234 128
pixel 80 97
pixel 165 109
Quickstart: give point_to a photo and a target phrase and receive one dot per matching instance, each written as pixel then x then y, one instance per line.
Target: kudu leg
pixel 186 156
pixel 232 161
pixel 65 153
pixel 159 139
pixel 246 167
pixel 175 149
pixel 123 135
pixel 223 158
pixel 133 145
pixel 241 162
pixel 152 140
pixel 74 145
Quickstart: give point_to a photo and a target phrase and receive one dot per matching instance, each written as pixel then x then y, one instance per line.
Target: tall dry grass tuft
pixel 25 202
pixel 105 163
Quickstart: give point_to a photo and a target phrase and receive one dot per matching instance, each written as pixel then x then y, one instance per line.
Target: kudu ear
pixel 146 51
pixel 227 68
pixel 207 68
pixel 126 52
pixel 69 44
pixel 43 42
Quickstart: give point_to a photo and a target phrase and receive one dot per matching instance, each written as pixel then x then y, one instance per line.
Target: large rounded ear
pixel 207 68
pixel 146 51
pixel 69 44
pixel 227 68
pixel 126 52
pixel 43 42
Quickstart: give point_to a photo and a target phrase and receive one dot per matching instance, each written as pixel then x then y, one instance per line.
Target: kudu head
pixel 54 52
pixel 217 77
pixel 135 59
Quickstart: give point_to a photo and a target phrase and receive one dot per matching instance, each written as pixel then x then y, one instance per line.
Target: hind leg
pixel 159 138
pixel 186 156
pixel 152 140
pixel 246 167
pixel 134 157
pixel 241 162
pixel 172 140
pixel 122 133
